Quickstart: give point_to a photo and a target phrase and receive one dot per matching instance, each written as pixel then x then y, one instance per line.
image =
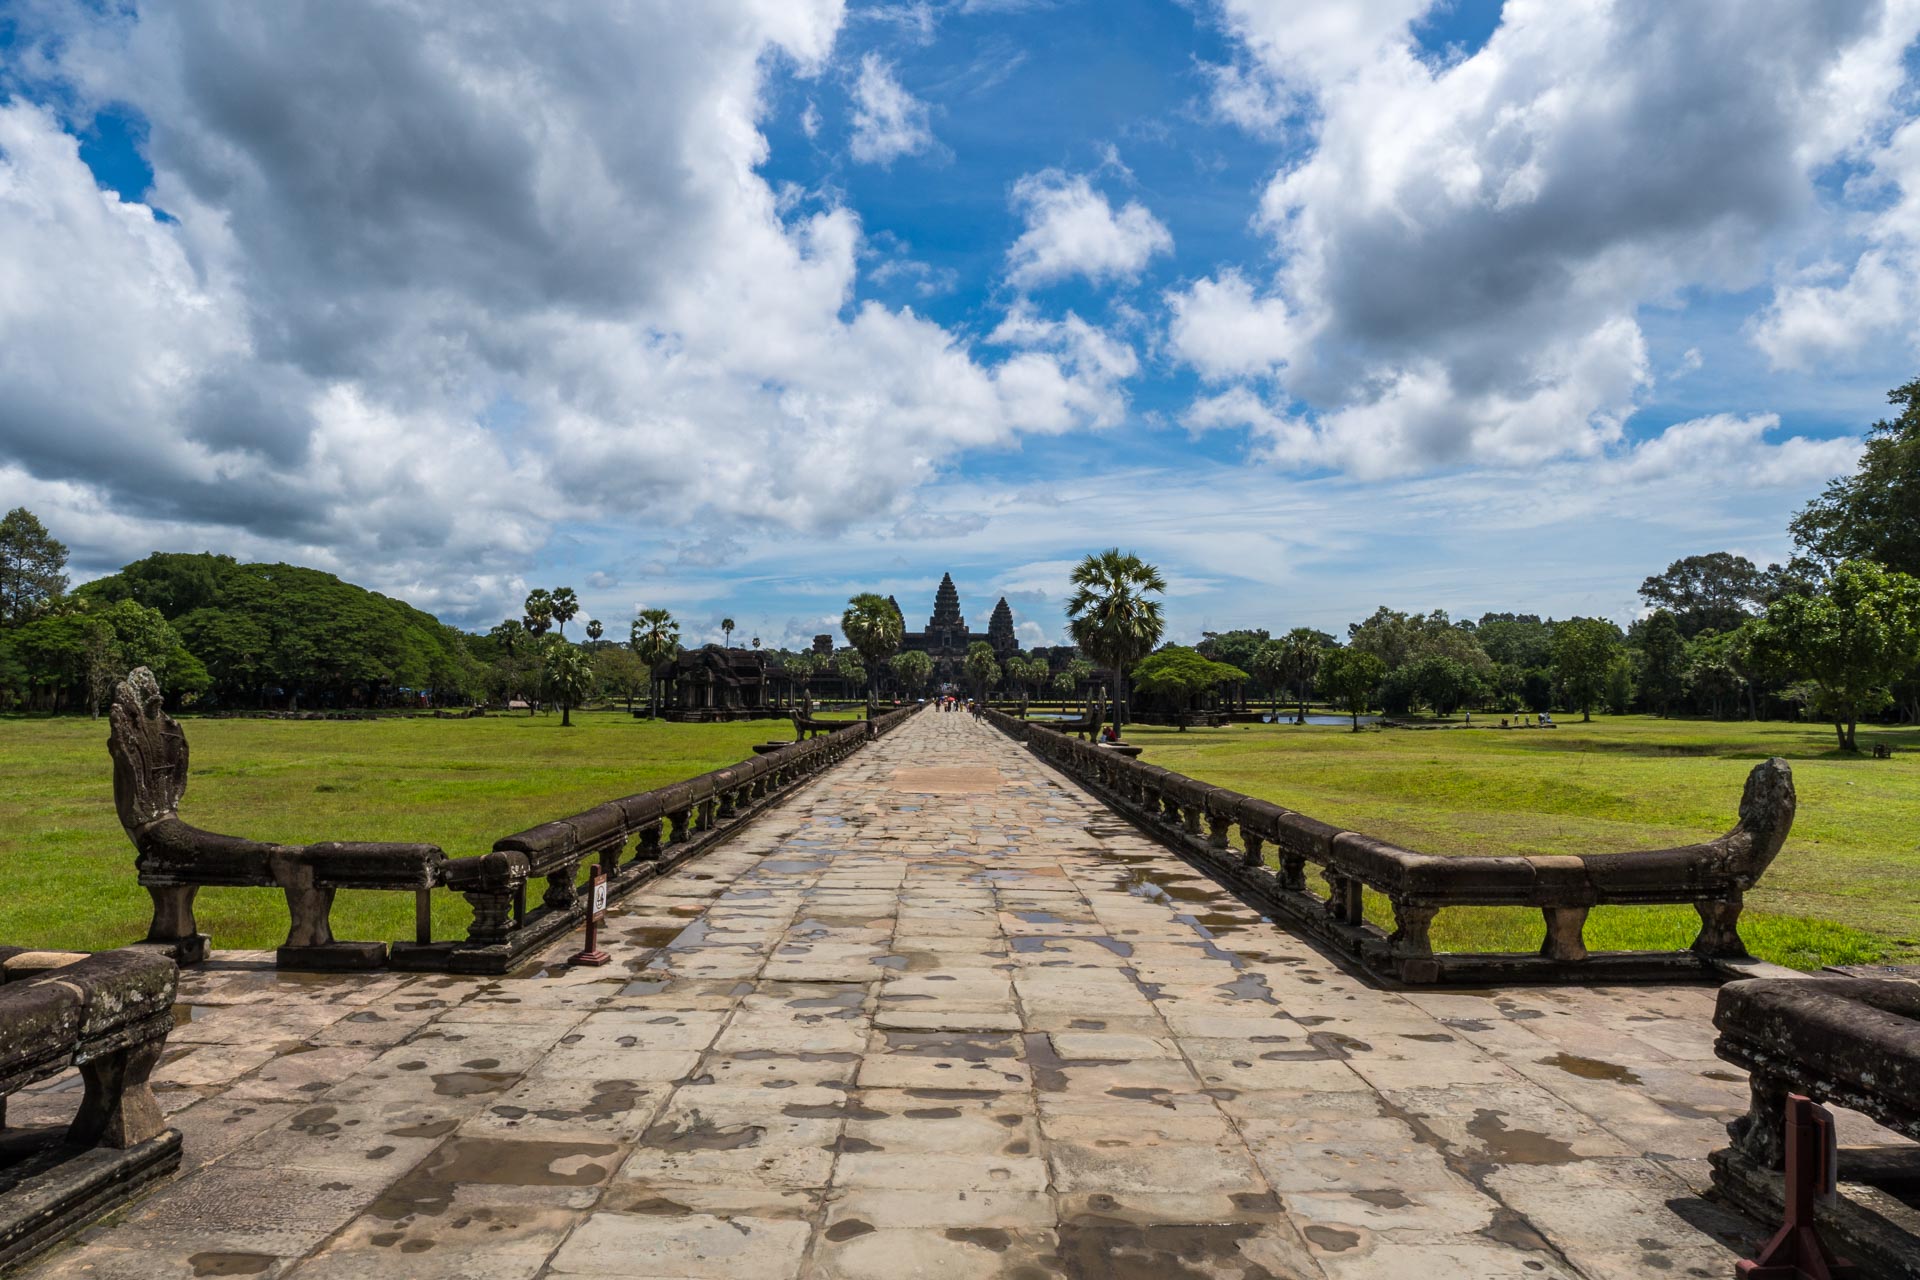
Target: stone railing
pixel 665 827
pixel 109 1015
pixel 1853 1042
pixel 175 860
pixel 1203 821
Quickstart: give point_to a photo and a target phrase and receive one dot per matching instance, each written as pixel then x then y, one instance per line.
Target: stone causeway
pixel 937 1013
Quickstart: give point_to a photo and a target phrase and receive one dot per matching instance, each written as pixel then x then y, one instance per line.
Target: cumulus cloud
pixel 888 122
pixel 1460 257
pixel 436 280
pixel 1072 229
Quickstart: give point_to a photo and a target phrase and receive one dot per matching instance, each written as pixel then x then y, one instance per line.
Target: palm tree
pixel 1110 616
pixel 799 669
pixel 874 627
pixel 726 633
pixel 595 629
pixel 1300 653
pixel 509 635
pixel 565 605
pixel 539 612
pixel 756 642
pixel 569 677
pixel 655 638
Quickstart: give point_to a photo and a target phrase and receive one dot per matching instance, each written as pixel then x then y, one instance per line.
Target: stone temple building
pixel 945 638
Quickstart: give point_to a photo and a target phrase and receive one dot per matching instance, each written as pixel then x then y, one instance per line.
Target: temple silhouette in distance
pixel 946 638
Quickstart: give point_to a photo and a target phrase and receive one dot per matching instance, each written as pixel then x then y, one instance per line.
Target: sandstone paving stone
pixel 983 1029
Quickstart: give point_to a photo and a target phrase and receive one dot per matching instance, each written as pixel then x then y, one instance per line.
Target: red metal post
pixel 1796 1251
pixel 596 911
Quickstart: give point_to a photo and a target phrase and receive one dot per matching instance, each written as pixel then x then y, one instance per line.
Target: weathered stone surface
pixel 984 1030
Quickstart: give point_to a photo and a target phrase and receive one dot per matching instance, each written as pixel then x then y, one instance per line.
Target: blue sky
pixel 743 308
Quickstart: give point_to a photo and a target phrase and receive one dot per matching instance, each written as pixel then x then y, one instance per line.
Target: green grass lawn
pixel 1846 888
pixel 66 868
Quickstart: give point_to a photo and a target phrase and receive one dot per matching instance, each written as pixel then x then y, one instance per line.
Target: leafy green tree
pixel 1712 671
pixel 620 672
pixel 1663 671
pixel 1620 684
pixel 567 676
pixel 912 669
pixel 1269 668
pixel 874 628
pixel 655 639
pixel 1075 672
pixel 1300 651
pixel 1111 617
pixel 1851 641
pixel 270 631
pixel 1183 674
pixel 1583 649
pixel 32 567
pixel 1519 640
pixel 537 613
pixel 1443 683
pixel 1352 675
pixel 1235 648
pixel 1874 514
pixel 981 667
pixel 800 668
pixel 1714 592
pixel 850 667
pixel 564 605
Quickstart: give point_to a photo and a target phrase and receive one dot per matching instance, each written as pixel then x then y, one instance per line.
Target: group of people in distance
pixel 953 702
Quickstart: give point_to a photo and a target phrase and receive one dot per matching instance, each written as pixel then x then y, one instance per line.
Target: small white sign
pixel 599 898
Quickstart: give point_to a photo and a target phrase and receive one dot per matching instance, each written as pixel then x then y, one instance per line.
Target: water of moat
pixel 936 1014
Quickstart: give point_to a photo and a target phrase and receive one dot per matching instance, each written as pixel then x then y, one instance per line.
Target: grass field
pixel 1846 889
pixel 66 868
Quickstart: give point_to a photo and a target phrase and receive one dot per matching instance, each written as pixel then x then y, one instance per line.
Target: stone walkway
pixel 938 1014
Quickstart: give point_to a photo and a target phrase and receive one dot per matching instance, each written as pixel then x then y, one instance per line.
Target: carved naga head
pixel 1766 813
pixel 149 754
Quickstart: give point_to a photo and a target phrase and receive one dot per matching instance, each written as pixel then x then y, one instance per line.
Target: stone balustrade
pixel 1231 836
pixel 666 826
pixel 1852 1042
pixel 109 1015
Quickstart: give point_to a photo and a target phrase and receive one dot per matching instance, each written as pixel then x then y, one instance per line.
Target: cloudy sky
pixel 739 306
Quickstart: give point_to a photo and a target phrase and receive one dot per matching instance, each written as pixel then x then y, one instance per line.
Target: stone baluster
pixel 1719 935
pixel 1566 929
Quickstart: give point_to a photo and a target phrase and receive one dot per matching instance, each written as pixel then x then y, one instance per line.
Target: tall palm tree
pixel 1110 616
pixel 565 604
pixel 595 628
pixel 874 627
pixel 1300 651
pixel 539 612
pixel 569 677
pixel 654 638
pixel 726 633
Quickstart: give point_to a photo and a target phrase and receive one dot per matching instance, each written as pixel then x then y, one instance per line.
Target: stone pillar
pixel 1566 929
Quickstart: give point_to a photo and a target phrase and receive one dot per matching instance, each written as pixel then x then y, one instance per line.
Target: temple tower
pixel 946 629
pixel 1000 629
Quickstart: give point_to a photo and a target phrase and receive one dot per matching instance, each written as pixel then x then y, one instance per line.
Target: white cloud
pixel 1461 255
pixel 1072 229
pixel 425 299
pixel 888 122
pixel 1221 329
